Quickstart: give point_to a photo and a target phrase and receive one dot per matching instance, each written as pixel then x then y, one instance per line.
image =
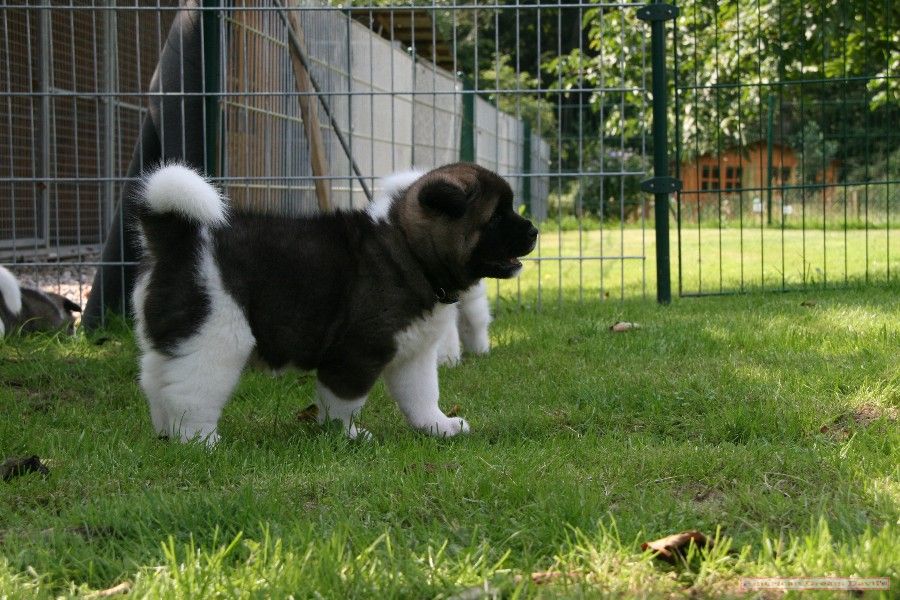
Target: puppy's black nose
pixel 533 232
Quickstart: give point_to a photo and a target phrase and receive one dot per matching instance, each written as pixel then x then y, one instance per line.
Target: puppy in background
pixel 28 310
pixel 469 330
pixel 352 295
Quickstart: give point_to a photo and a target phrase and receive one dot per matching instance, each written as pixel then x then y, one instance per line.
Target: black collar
pixel 442 296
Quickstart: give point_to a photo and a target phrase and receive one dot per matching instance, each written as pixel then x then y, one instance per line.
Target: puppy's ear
pixel 71 306
pixel 443 197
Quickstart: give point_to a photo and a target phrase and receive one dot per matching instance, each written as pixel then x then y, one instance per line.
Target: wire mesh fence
pixel 782 113
pixel 396 86
pixel 396 109
pixel 797 185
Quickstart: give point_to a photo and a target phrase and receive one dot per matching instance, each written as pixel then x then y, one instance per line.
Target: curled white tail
pixel 9 289
pixel 381 204
pixel 181 190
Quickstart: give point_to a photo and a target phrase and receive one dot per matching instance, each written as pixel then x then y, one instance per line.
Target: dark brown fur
pixel 330 292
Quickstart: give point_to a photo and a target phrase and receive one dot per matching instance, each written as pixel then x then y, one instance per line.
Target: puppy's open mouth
pixel 512 262
pixel 506 267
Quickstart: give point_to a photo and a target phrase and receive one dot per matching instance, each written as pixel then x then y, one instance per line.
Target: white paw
pixel 185 432
pixel 448 427
pixel 475 341
pixel 450 360
pixel 160 421
pixel 358 433
pixel 210 438
pixel 352 430
pixel 481 346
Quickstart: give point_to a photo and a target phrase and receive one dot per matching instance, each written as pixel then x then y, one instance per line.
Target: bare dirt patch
pixel 862 416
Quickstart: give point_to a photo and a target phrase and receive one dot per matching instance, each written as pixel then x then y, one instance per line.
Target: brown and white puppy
pixel 350 295
pixel 469 330
pixel 27 310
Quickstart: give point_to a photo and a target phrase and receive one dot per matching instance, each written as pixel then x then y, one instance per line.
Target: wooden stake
pixel 310 115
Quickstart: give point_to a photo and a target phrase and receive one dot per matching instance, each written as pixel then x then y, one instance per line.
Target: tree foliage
pixel 539 112
pixel 833 63
pixel 825 74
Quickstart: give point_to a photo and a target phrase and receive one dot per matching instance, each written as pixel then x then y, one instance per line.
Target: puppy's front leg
pixel 449 350
pixel 333 408
pixel 414 385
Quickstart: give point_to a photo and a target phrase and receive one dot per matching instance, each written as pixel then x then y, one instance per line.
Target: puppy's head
pixel 460 222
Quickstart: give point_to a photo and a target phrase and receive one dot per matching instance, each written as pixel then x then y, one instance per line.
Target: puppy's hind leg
pixel 413 383
pixel 197 384
pixel 474 319
pixel 151 380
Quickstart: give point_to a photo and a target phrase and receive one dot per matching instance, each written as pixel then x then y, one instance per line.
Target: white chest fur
pixel 422 335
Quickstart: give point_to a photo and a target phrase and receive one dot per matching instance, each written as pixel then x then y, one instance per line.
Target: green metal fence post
pixel 467 135
pixel 211 78
pixel 771 119
pixel 526 165
pixel 661 184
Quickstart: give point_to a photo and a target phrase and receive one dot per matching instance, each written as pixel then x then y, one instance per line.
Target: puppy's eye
pixel 495 219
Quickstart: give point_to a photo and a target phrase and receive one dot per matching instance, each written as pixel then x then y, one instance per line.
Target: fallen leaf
pixel 16 467
pixel 542 577
pixel 808 303
pixel 623 326
pixel 671 547
pixel 454 410
pixel 122 588
pixel 309 414
pixel 476 593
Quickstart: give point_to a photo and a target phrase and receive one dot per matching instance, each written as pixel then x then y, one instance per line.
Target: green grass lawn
pixel 712 260
pixel 769 425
